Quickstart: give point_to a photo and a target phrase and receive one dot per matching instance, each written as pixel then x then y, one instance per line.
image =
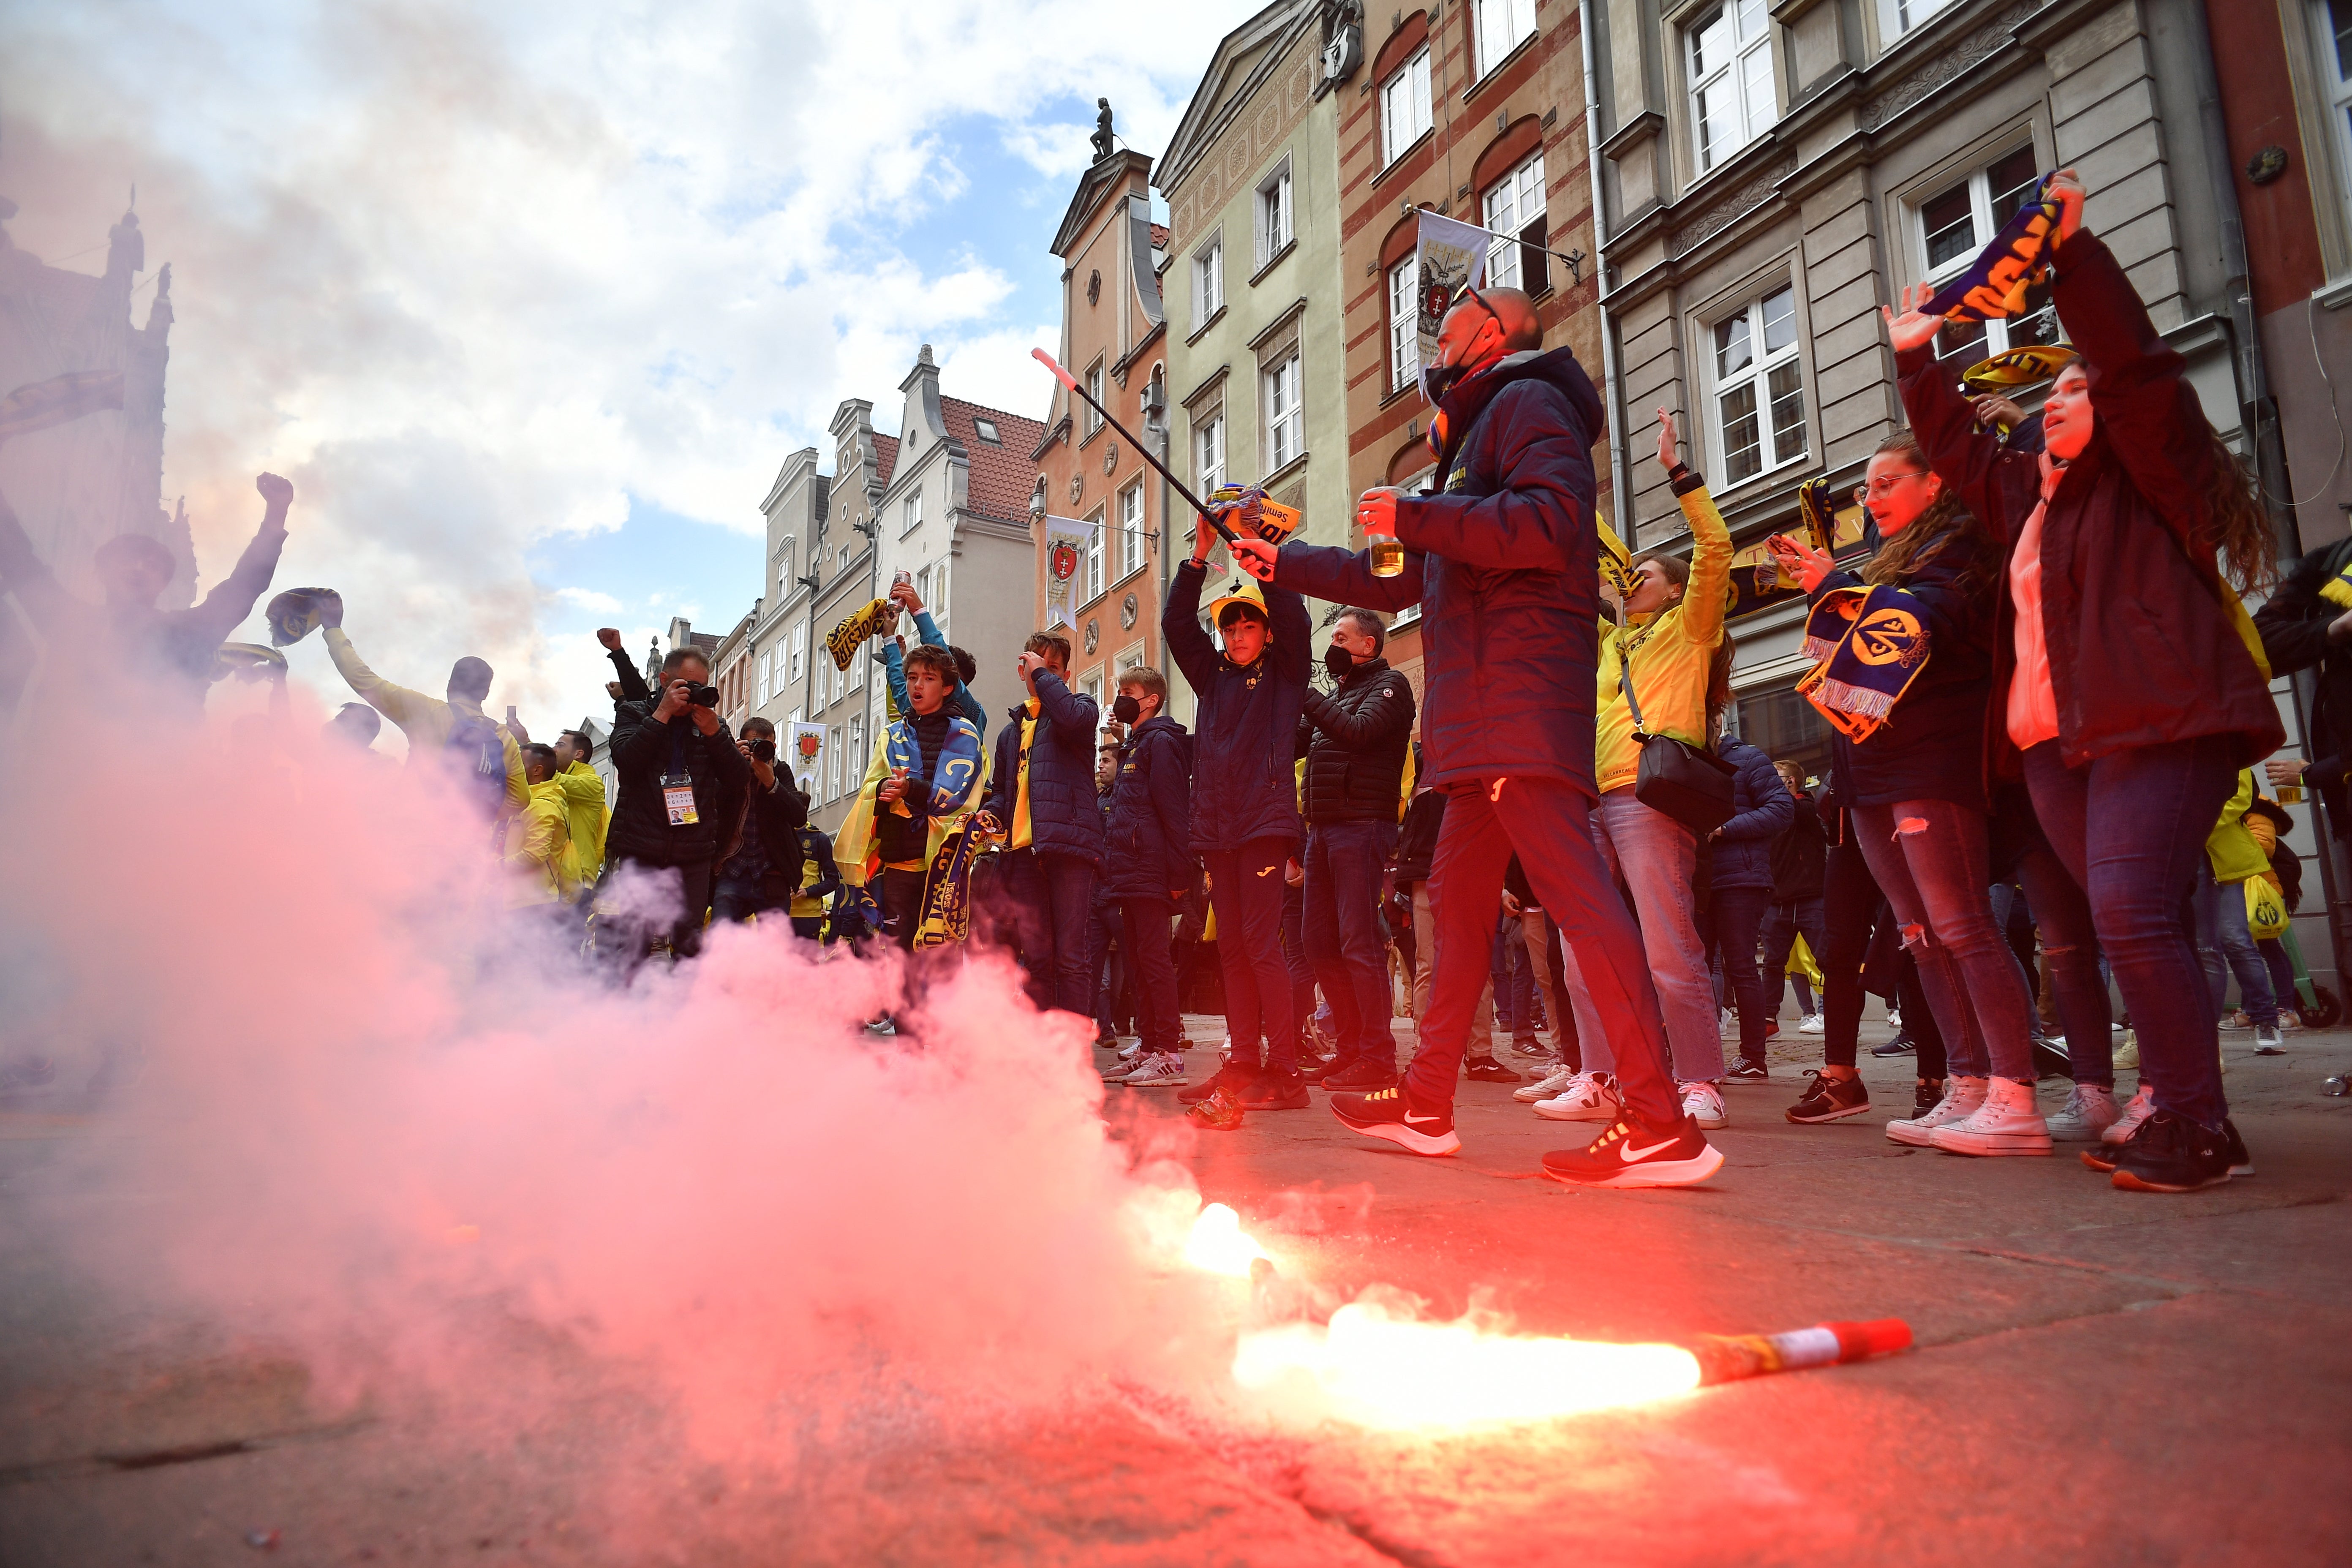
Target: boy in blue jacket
pixel 1149 869
pixel 1244 808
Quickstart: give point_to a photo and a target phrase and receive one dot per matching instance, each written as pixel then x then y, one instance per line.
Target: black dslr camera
pixel 702 695
pixel 763 748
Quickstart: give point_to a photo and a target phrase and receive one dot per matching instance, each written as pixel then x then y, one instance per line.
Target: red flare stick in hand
pixel 1198 505
pixel 1726 1359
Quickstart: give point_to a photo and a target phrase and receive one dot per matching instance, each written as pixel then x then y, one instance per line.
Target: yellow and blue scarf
pixel 842 640
pixel 1868 645
pixel 959 768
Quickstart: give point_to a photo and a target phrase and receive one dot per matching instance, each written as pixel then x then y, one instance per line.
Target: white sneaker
pixel 1129 1051
pixel 1587 1097
pixel 1962 1097
pixel 2090 1110
pixel 2141 1107
pixel 2127 1054
pixel 2237 1023
pixel 2004 1122
pixel 2289 1019
pixel 1895 1019
pixel 1702 1102
pixel 1724 1019
pixel 1812 1024
pixel 1158 1069
pixel 2268 1042
pixel 1546 1086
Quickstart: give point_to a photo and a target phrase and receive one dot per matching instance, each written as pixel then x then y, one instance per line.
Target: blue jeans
pixel 2226 946
pixel 1738 916
pixel 2130 828
pixel 1342 920
pixel 1548 825
pixel 1245 891
pixel 2069 948
pixel 1655 857
pixel 1053 922
pixel 1146 940
pixel 1936 877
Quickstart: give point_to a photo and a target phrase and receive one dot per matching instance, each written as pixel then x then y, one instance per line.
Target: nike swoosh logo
pixel 1418 1121
pixel 1634 1156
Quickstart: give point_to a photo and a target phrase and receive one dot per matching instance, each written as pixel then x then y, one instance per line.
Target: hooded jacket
pixel 2294 624
pixel 1761 810
pixel 2143 635
pixel 1355 742
pixel 1064 818
pixel 1150 853
pixel 1504 562
pixel 1243 740
pixel 426 721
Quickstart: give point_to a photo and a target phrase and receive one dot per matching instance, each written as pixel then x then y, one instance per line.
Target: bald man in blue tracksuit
pixel 1502 561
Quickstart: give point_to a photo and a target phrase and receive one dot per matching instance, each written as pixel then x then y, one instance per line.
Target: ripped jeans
pixel 1935 878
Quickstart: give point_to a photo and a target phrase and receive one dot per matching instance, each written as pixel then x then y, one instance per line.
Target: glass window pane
pixel 1788 391
pixel 1732 352
pixel 2339 17
pixel 1756 70
pixel 1741 454
pixel 1710 43
pixel 2012 182
pixel 1752 19
pixel 1950 226
pixel 1718 121
pixel 1961 341
pixel 1779 313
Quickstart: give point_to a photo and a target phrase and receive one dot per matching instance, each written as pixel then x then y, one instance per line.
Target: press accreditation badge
pixel 677 796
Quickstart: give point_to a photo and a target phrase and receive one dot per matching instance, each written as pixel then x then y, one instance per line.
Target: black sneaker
pixel 1235 1077
pixel 1928 1095
pixel 1276 1090
pixel 1830 1098
pixel 1632 1155
pixel 2050 1058
pixel 2172 1154
pixel 1486 1069
pixel 1900 1046
pixel 1529 1045
pixel 1361 1077
pixel 1401 1119
pixel 1746 1071
pixel 2242 1163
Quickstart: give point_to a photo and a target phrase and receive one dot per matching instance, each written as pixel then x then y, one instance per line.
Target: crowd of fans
pixel 2049 712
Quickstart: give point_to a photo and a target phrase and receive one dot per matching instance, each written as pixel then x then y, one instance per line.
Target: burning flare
pixel 1219 1245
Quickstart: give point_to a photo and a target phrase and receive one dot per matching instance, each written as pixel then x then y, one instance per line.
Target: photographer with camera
pixel 682 783
pixel 764 872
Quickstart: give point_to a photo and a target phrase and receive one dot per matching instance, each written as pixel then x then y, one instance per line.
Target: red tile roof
pixel 1159 236
pixel 886 449
pixel 1001 474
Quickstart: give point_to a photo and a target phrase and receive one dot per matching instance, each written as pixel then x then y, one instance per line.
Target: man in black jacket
pixel 1149 869
pixel 682 790
pixel 1355 742
pixel 1041 792
pixel 764 872
pixel 1503 557
pixel 2307 624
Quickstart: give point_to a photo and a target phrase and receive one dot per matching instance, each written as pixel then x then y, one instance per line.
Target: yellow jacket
pixel 426 721
pixel 582 789
pixel 539 850
pixel 1671 651
pixel 2230 847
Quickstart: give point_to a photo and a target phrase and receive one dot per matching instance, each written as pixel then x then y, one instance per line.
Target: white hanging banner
pixel 807 755
pixel 1449 256
pixel 1065 553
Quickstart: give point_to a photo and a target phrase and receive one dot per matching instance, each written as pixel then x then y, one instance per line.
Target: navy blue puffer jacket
pixel 1504 564
pixel 1064 816
pixel 1244 784
pixel 1150 852
pixel 1762 809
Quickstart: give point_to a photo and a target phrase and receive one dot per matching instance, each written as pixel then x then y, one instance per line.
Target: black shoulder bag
pixel 1689 784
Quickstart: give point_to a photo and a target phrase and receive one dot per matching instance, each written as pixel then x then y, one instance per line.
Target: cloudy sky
pixel 530 300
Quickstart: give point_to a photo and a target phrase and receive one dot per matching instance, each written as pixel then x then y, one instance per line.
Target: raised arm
pixel 1704 601
pixel 397 703
pixel 1073 714
pixel 633 681
pixel 232 598
pixel 1180 623
pixel 1972 461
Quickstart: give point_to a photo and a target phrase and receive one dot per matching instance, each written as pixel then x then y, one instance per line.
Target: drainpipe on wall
pixel 1620 480
pixel 2260 411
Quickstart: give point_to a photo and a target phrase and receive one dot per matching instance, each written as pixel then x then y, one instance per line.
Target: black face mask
pixel 1339 662
pixel 1125 709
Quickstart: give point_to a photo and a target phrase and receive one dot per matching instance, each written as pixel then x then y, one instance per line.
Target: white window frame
pixel 797 641
pixel 1404 322
pixel 1274 222
pixel 2336 83
pixel 936 600
pixel 1096 527
pixel 1755 106
pixel 1499 26
pixel 1130 530
pixel 1129 657
pixel 833 764
pixel 1092 685
pixel 1208 450
pixel 1405 118
pixel 1994 335
pixel 1285 421
pixel 1898 18
pixel 1209 280
pixel 856 753
pixel 858 668
pixel 767 675
pixel 1094 390
pixel 910 512
pixel 1513 205
pixel 1757 375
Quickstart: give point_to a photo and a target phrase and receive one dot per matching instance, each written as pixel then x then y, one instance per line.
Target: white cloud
pixel 589 599
pixel 474 279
